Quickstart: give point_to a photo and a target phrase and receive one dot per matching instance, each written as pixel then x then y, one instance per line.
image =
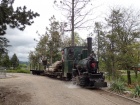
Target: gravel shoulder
pixel 28 89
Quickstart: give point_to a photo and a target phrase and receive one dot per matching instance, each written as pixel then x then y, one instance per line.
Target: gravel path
pixel 28 89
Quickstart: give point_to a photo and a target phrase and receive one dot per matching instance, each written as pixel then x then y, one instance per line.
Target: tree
pixel 76 13
pixel 18 18
pixel 119 38
pixel 54 39
pixel 14 61
pixel 34 59
pixel 5 61
pixel 49 44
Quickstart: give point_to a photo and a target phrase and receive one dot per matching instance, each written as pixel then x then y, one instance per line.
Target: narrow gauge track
pixel 116 99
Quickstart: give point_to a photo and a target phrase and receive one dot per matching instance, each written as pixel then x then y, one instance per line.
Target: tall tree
pixel 77 12
pixel 50 43
pixel 54 39
pixel 14 61
pixel 34 59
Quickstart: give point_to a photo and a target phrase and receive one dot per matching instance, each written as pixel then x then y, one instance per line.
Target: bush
pixel 136 92
pixel 18 71
pixel 117 86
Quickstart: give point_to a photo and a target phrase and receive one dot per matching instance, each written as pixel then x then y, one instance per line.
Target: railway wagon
pixel 78 64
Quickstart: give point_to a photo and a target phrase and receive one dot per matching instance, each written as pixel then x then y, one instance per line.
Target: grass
pixel 18 71
pixel 123 77
pixel 119 84
pixel 134 80
pixel 136 92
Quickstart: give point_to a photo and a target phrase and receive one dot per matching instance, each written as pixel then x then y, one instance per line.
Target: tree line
pixel 8 63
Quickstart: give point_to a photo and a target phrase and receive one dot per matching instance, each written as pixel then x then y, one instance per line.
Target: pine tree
pixel 14 61
pixel 6 61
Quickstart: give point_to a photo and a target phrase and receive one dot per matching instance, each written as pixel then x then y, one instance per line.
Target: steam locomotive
pixel 78 64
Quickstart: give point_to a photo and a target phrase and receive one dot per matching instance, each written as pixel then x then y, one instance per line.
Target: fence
pixel 2 72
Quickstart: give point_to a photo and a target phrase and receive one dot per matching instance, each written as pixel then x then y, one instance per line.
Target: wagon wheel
pixel 76 80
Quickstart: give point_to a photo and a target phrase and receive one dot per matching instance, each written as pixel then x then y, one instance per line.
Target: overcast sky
pixel 22 41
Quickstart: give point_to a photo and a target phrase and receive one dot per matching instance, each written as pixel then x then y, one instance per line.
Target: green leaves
pixel 14 61
pixel 136 92
pixel 18 18
pixel 118 44
pixel 117 86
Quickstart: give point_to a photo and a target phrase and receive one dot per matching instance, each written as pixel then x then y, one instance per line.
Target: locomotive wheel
pixel 84 81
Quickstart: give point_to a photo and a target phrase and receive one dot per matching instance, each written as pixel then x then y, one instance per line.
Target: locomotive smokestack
pixel 89 44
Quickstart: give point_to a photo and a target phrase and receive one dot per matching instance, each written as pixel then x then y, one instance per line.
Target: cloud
pixel 22 42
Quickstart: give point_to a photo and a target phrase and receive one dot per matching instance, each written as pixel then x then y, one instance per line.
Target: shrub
pixel 117 86
pixel 136 92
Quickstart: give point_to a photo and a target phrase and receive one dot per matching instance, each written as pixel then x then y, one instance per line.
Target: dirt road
pixel 28 89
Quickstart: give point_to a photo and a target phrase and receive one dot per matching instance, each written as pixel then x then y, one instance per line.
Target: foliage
pixel 14 18
pixel 18 71
pixel 50 44
pixel 14 61
pixel 18 18
pixel 118 47
pixel 117 86
pixel 3 45
pixel 5 61
pixel 136 92
pixel 135 80
pixel 34 59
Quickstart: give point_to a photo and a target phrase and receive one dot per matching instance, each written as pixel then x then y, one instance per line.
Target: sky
pixel 23 41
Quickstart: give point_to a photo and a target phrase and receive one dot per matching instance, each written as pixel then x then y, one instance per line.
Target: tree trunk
pixel 72 23
pixel 128 77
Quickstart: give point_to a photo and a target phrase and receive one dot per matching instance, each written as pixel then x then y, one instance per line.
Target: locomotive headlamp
pixel 93 65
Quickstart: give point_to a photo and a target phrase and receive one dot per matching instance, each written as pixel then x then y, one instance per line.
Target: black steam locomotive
pixel 78 64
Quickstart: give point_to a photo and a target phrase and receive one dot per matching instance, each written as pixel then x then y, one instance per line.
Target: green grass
pixel 18 71
pixel 134 80
pixel 123 77
pixel 117 86
pixel 136 92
